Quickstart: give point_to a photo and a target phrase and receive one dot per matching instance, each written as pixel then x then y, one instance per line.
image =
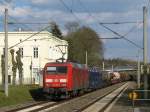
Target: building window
pixel 21 52
pixel 35 52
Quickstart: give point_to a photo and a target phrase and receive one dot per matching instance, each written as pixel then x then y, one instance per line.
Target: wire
pixel 85 9
pixel 29 37
pixel 38 39
pixel 89 13
pixel 132 29
pixel 148 3
pixel 23 23
pixel 28 23
pixel 111 38
pixel 16 21
pixel 121 36
pixel 70 10
pixel 126 22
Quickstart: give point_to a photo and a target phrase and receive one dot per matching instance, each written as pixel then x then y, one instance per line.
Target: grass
pixel 18 94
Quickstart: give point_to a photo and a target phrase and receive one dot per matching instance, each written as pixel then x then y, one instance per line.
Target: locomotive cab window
pixel 57 70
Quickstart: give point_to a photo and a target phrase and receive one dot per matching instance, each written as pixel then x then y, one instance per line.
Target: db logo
pixel 56 80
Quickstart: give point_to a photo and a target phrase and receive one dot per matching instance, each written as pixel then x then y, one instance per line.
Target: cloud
pixel 102 10
pixel 20 11
pixel 40 1
pixel 4 5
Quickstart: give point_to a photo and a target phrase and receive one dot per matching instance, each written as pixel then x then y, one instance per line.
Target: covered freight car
pixel 95 79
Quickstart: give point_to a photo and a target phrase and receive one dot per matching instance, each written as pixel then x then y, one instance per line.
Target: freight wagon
pixel 95 78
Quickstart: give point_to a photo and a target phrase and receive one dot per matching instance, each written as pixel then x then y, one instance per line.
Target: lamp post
pixel 86 58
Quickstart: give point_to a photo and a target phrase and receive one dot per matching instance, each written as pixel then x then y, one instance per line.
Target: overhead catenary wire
pixel 29 37
pixel 73 13
pixel 148 3
pixel 123 22
pixel 38 39
pixel 121 36
pixel 16 22
pixel 132 29
pixel 28 23
pixel 111 38
pixel 70 10
pixel 23 23
pixel 91 15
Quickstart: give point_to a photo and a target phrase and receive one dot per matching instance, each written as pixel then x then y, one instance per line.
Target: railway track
pixel 104 103
pixel 29 107
pixel 81 104
pixel 71 105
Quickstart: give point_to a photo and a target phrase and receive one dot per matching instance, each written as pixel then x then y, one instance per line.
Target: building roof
pixel 34 33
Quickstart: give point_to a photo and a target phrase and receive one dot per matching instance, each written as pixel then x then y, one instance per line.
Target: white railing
pixel 139 97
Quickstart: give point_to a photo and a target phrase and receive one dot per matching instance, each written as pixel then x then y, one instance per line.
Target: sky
pixel 88 13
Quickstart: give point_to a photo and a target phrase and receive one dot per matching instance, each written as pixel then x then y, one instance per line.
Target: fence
pixel 138 95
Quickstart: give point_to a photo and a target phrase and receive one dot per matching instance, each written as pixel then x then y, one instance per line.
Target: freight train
pixel 70 79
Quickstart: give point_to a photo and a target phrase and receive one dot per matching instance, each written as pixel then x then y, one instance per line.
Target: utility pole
pixel 138 71
pixel 145 49
pixel 31 70
pixel 6 52
pixel 103 65
pixel 86 61
pixel 112 67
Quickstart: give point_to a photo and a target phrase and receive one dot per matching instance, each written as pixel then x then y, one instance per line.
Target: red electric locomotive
pixel 65 79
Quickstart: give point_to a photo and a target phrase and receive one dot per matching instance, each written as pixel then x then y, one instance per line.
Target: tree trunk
pixel 14 78
pixel 20 78
pixel 3 70
pixel 14 67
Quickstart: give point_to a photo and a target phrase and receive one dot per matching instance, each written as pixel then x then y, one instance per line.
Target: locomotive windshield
pixel 56 70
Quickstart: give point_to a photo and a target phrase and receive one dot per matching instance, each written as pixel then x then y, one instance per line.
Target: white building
pixel 36 51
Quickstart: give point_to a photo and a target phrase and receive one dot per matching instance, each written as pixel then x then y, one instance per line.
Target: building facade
pixel 37 50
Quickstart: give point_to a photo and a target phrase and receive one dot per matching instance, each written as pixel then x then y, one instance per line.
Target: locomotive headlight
pixel 64 84
pixel 49 80
pixel 63 80
pixel 48 85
